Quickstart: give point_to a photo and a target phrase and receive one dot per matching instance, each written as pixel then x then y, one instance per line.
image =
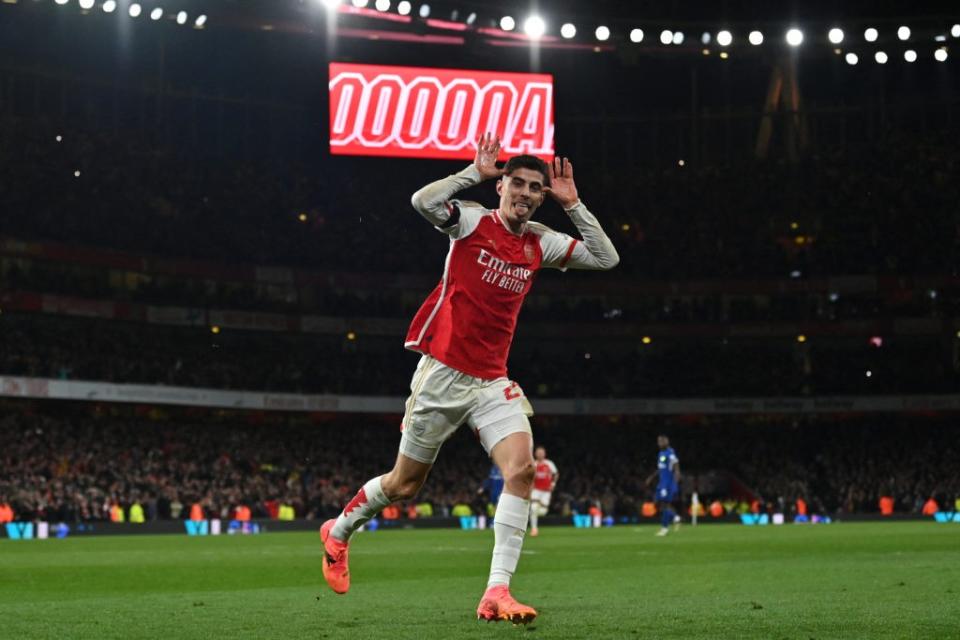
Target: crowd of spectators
pixel 849 206
pixel 611 304
pixel 75 463
pixel 593 366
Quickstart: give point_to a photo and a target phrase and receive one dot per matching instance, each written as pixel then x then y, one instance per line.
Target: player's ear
pixel 499 186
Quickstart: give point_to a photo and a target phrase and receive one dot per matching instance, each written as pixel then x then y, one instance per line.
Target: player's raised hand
pixel 562 188
pixel 488 148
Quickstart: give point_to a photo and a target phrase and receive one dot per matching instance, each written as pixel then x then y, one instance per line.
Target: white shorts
pixel 543 497
pixel 441 399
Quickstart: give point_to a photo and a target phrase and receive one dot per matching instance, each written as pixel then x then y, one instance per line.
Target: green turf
pixel 884 580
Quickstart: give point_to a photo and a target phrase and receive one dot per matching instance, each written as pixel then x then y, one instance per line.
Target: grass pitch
pixel 884 580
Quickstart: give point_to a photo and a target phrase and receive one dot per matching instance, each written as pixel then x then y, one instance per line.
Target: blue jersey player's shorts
pixel 666 492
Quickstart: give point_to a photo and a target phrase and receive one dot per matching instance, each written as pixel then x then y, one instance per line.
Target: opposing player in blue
pixel 668 484
pixel 493 485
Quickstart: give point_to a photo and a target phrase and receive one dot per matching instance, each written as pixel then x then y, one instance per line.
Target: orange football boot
pixel 335 552
pixel 497 604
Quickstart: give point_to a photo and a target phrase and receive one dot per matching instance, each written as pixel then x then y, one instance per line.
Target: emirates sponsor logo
pixel 437 113
pixel 502 273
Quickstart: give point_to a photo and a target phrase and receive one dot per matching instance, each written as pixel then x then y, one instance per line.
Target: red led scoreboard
pixel 414 112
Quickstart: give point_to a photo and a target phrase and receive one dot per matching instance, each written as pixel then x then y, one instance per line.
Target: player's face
pixel 540 453
pixel 521 193
pixel 662 442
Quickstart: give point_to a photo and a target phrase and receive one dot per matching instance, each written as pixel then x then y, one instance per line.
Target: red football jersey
pixel 468 321
pixel 543 477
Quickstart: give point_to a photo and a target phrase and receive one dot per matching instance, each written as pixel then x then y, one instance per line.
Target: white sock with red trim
pixel 368 502
pixel 534 514
pixel 509 527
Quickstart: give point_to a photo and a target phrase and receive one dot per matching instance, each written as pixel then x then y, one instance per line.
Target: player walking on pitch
pixel 464 330
pixel 668 484
pixel 545 476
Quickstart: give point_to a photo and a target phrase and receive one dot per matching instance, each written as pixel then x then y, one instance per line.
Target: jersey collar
pixel 500 219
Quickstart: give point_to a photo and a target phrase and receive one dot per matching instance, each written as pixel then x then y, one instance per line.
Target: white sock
pixel 534 514
pixel 367 503
pixel 509 527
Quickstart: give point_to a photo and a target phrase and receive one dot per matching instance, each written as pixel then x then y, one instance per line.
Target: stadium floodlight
pixel 794 37
pixel 705 37
pixel 404 7
pixel 602 33
pixel 109 6
pixel 871 35
pixel 568 31
pixel 940 55
pixel 678 37
pixel 903 33
pixel 910 55
pixel 507 23
pixel 382 5
pixel 424 11
pixel 200 21
pixel 360 4
pixel 534 27
pixel 666 36
pixel 835 35
pixel 61 2
pixel 724 38
pixel 880 57
pixel 755 38
pixel 955 31
pixel 472 17
pixel 135 10
pixel 636 35
pixel 87 4
pixel 851 58
pixel 182 17
pixel 331 4
pixel 156 14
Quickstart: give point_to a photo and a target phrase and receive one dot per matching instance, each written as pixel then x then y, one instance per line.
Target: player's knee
pixel 520 473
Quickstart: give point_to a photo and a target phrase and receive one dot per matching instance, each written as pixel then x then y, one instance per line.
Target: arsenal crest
pixel 528 252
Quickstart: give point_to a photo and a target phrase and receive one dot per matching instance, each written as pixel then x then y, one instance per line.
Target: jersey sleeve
pixel 464 218
pixel 453 217
pixel 557 248
pixel 594 251
pixel 553 468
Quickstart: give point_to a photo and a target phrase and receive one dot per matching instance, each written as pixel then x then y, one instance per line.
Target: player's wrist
pixel 571 205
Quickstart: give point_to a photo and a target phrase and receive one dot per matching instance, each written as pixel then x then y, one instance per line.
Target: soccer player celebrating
pixel 668 484
pixel 544 480
pixel 464 330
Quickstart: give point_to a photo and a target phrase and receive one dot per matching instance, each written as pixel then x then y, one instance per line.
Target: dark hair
pixel 527 162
